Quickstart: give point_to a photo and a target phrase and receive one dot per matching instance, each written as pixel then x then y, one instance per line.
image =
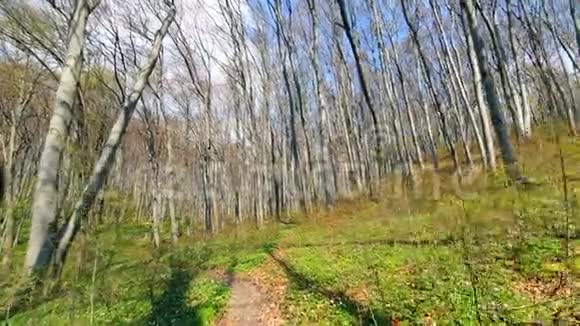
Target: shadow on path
pixel 362 313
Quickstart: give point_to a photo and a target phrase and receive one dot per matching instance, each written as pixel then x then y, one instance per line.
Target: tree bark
pixel 428 76
pixel 363 82
pixel 522 100
pixel 45 202
pixel 107 157
pixel 497 118
pixel 573 4
pixel 324 139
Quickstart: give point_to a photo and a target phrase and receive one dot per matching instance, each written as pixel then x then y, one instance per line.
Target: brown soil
pixel 250 305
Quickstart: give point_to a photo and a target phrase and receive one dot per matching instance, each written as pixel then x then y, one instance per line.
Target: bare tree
pixel 494 105
pixel 106 159
pixel 445 129
pixel 576 20
pixel 262 109
pixel 363 83
pixel 45 197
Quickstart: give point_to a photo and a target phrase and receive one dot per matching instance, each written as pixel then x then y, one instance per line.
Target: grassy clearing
pixel 466 251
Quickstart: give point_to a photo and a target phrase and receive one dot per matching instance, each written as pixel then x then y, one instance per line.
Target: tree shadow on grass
pixel 360 312
pixel 171 308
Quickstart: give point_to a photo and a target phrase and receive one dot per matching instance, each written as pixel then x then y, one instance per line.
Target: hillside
pixel 477 250
pixel 289 162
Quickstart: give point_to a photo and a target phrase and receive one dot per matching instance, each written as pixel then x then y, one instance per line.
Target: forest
pixel 301 162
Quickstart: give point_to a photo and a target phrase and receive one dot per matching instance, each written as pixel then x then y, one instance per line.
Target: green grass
pixel 461 259
pixel 410 281
pixel 134 285
pixel 490 253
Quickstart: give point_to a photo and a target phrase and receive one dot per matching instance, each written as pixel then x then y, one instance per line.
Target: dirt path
pixel 249 305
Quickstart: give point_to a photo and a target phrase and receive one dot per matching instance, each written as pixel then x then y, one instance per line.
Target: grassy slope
pixel 407 258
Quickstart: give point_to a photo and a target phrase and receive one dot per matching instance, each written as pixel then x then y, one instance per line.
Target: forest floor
pixel 470 250
pixel 249 303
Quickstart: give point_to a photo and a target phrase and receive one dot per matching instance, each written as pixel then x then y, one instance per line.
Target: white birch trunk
pixel 45 202
pixel 107 157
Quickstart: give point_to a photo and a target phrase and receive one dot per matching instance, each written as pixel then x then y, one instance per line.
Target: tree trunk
pixel 497 119
pixel 522 99
pixel 408 108
pixel 423 104
pixel 363 82
pixel 8 179
pixel 428 76
pixel 324 164
pixel 171 177
pixel 44 210
pixel 456 81
pixel 505 81
pixel 107 156
pixel 573 4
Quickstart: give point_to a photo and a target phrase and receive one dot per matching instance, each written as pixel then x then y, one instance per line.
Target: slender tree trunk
pixel 8 236
pixel 324 163
pixel 363 82
pixel 576 19
pixel 482 106
pixel 456 82
pixel 522 99
pixel 426 113
pixel 8 180
pixel 408 108
pixel 430 84
pixel 505 81
pixel 107 157
pixel 171 177
pixel 156 207
pixel 44 210
pixel 527 110
pixel 497 119
pixel 2 181
pixel 386 76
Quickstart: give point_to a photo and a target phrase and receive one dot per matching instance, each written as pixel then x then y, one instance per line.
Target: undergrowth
pixel 135 285
pixel 471 250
